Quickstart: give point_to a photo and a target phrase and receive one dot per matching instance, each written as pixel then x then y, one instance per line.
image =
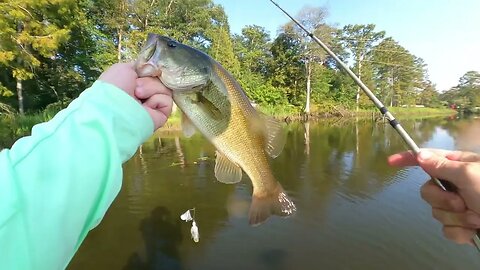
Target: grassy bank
pixel 290 113
pixel 13 126
pixel 411 113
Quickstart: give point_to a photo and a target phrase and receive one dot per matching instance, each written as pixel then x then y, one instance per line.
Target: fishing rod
pixel 445 185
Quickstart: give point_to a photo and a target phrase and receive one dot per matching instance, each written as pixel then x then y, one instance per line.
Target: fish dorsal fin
pixel 275 137
pixel 187 126
pixel 227 171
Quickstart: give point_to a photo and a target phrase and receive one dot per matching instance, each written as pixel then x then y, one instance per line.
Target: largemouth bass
pixel 213 103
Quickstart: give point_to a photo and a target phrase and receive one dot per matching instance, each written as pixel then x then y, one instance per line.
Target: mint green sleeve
pixel 57 184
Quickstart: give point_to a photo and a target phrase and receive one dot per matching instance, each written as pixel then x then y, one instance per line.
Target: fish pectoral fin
pixel 276 203
pixel 227 171
pixel 275 137
pixel 187 126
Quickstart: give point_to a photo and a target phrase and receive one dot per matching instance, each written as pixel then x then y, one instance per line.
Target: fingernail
pixel 425 155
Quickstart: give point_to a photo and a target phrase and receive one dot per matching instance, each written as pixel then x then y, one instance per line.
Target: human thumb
pixel 438 166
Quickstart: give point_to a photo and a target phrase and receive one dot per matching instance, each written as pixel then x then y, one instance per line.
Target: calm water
pixel 354 211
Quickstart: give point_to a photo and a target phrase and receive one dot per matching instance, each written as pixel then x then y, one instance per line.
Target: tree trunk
pixel 357 98
pixel 19 81
pixel 392 87
pixel 119 47
pixel 20 96
pixel 309 75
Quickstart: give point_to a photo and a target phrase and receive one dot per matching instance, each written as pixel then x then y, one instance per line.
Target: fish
pixel 213 103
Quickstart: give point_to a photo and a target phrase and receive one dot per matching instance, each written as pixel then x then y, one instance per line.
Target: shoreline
pixel 23 124
pixel 174 122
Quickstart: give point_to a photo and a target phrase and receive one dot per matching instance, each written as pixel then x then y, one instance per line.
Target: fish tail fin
pixel 277 203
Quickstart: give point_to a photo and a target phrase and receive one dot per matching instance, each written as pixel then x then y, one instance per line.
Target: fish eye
pixel 171 44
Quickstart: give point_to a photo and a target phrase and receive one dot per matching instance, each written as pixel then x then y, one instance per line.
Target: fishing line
pixel 445 185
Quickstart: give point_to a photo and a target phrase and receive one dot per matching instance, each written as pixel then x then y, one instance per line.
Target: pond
pixel 353 210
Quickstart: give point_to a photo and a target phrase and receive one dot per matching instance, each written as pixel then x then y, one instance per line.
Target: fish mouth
pixel 168 78
pixel 148 70
pixel 174 80
pixel 177 88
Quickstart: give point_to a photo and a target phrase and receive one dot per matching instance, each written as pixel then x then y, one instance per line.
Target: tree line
pixel 51 50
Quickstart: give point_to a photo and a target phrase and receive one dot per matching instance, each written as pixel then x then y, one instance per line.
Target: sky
pixel 444 33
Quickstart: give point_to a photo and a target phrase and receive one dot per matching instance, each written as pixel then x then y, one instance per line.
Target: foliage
pixel 252 49
pixel 222 49
pixel 359 42
pixel 6 109
pixel 398 73
pixel 31 32
pixel 13 126
pixel 311 55
pixel 261 91
pixel 429 96
pixel 466 95
pixel 51 50
pixel 279 111
pixel 286 68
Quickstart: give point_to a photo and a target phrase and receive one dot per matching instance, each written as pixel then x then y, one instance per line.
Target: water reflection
pixel 466 132
pixel 345 153
pixel 181 156
pixel 161 236
pixel 350 203
pixel 274 259
pixel 307 138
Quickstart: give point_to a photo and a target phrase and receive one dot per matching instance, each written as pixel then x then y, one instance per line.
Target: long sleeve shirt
pixel 57 184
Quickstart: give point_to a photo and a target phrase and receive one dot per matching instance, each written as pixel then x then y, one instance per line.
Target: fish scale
pixel 253 153
pixel 214 103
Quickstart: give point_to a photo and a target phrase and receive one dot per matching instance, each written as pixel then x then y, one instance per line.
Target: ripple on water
pixel 402 174
pixel 353 210
pixel 137 190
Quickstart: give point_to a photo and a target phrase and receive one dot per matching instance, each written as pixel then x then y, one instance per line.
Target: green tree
pixel 342 88
pixel 466 95
pixel 312 56
pixel 398 73
pixel 359 41
pixel 429 96
pixel 286 70
pixel 112 18
pixel 191 21
pixel 252 49
pixel 77 63
pixel 470 79
pixel 222 50
pixel 31 30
